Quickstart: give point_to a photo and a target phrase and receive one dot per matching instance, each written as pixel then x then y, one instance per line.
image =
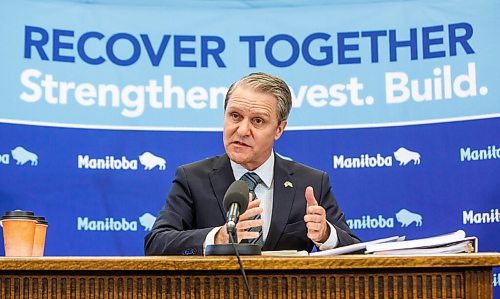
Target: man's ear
pixel 280 129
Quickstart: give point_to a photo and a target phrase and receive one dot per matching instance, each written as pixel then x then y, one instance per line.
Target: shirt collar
pixel 265 171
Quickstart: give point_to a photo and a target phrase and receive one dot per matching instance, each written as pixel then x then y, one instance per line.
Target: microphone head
pixel 237 193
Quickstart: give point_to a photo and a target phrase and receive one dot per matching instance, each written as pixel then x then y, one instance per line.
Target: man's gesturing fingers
pixel 315 218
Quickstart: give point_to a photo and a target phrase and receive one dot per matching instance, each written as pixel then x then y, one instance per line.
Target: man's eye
pixel 235 115
pixel 258 121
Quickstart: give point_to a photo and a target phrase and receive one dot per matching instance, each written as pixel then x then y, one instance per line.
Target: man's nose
pixel 244 128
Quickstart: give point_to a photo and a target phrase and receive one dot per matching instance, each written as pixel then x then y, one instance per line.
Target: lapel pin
pixel 288 184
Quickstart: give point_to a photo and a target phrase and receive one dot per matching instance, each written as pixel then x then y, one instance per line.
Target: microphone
pixel 235 203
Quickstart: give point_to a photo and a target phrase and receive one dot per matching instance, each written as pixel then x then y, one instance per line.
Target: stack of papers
pixel 356 247
pixel 455 242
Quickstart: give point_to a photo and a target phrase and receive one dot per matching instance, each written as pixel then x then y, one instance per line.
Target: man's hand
pixel 244 223
pixel 318 229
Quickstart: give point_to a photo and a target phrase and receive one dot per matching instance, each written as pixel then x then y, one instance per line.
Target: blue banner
pixel 102 101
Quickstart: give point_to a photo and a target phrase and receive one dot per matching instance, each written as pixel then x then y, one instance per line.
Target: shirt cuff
pixel 331 242
pixel 210 239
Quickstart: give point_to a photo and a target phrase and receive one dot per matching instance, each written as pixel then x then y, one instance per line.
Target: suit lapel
pixel 221 178
pixel 283 197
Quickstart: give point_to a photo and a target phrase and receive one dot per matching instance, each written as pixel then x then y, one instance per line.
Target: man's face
pixel 251 127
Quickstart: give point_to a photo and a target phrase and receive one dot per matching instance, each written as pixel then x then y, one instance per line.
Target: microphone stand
pixel 234 248
pixel 236 198
pixel 245 279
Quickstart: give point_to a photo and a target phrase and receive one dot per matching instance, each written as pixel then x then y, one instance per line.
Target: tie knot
pixel 252 179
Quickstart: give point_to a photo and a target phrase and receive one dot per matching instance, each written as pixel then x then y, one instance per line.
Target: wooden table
pixel 348 276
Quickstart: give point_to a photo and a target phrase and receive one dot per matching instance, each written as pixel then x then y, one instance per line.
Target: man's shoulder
pixel 298 168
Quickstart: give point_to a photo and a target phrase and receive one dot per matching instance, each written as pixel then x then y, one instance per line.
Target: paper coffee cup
pixel 40 233
pixel 18 232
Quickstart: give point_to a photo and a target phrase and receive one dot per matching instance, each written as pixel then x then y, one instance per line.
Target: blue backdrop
pixel 102 100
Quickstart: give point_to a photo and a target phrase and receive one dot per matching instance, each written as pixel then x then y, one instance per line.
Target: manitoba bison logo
pixel 404 156
pixel 21 155
pixel 150 161
pixel 406 218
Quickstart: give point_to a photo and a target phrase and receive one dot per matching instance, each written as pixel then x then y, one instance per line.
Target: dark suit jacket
pixel 194 207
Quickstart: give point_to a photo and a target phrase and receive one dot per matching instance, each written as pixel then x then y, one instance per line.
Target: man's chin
pixel 238 156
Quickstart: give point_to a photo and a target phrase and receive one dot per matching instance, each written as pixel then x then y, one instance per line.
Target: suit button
pixel 190 251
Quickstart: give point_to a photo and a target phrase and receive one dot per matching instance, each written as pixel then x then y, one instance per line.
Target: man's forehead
pixel 249 94
pixel 253 105
pixel 251 101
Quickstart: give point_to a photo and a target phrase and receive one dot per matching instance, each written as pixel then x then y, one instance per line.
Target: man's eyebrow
pixel 261 113
pixel 233 109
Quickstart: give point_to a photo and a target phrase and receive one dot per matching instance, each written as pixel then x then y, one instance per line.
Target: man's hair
pixel 265 83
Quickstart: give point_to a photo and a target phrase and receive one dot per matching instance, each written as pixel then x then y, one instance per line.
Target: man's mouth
pixel 239 143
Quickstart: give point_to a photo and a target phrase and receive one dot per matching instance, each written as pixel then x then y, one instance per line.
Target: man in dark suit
pixel 293 207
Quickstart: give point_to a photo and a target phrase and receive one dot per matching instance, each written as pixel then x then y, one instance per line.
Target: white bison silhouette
pixel 22 156
pixel 150 161
pixel 404 156
pixel 147 220
pixel 406 218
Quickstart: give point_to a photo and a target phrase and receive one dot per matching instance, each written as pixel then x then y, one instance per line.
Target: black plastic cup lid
pixel 41 220
pixel 18 214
